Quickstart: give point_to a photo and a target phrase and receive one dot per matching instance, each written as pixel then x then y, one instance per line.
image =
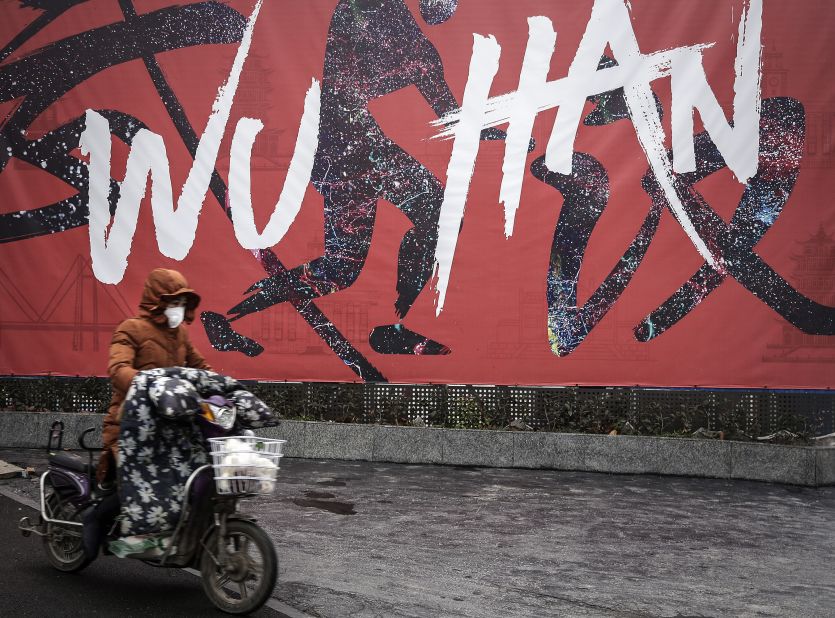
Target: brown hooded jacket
pixel 146 342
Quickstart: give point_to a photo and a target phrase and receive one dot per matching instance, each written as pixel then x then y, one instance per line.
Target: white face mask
pixel 175 315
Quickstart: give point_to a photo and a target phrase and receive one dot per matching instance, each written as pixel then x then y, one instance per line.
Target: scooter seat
pixel 69 461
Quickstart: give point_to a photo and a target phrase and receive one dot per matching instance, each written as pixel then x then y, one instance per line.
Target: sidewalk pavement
pixel 372 539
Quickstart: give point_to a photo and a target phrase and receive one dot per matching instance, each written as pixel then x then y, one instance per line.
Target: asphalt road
pixel 378 540
pixel 108 587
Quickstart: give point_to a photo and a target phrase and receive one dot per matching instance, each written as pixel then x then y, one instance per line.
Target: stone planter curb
pixel 794 465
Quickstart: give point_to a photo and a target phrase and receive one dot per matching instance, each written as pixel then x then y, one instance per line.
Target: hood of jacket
pixel 161 287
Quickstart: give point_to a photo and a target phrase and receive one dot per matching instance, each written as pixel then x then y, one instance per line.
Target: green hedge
pixel 732 414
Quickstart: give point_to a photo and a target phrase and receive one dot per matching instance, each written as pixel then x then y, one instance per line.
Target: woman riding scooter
pixel 154 339
pixel 187 458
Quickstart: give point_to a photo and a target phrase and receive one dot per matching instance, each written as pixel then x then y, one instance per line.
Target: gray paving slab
pixel 825 466
pixel 707 458
pixel 292 431
pixel 407 445
pixel 8 471
pixel 339 441
pixel 555 451
pixel 29 429
pixel 466 447
pixel 768 462
pixel 597 453
pixel 623 455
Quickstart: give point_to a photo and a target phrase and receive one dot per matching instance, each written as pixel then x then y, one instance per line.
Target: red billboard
pixel 534 192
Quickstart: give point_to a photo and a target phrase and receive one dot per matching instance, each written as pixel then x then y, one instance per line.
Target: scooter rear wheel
pixel 63 543
pixel 246 580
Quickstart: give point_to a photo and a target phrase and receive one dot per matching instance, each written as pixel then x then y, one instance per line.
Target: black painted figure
pixel 41 78
pixel 34 80
pixel 374 47
pixel 586 193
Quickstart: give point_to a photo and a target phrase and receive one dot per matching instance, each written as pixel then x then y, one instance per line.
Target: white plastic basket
pixel 246 464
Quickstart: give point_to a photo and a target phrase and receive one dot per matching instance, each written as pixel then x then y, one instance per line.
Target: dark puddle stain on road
pixel 325 501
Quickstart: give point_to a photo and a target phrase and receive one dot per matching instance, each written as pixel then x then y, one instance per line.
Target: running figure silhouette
pixel 374 47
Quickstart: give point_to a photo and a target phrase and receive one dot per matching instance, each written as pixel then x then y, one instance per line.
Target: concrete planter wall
pixel 796 465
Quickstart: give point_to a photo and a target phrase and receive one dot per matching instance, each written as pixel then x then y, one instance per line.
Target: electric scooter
pixel 236 558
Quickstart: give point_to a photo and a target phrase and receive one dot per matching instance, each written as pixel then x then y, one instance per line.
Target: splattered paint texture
pixel 606 267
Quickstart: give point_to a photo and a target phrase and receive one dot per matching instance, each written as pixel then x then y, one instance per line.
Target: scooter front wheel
pixel 245 580
pixel 63 544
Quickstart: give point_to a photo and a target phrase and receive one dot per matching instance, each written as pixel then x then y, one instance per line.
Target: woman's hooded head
pixel 161 287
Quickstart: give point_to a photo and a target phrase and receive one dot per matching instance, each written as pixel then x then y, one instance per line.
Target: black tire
pixel 252 571
pixel 62 544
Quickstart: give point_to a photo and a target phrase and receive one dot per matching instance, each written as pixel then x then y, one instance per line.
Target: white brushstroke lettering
pixel 175 229
pixel 542 41
pixel 484 65
pixel 610 24
pixel 298 175
pixel 740 143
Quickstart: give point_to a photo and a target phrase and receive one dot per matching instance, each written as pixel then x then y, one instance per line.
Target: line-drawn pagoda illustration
pixel 813 273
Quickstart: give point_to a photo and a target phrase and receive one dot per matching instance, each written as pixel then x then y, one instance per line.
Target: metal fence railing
pixel 652 411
